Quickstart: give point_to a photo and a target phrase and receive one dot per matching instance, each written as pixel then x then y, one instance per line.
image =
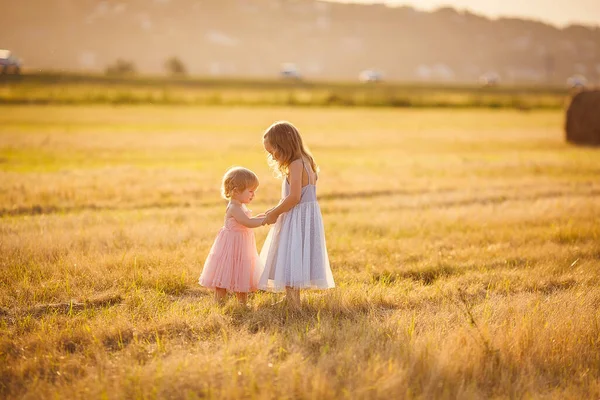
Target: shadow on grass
pixel 427 275
pixel 68 307
pixel 270 312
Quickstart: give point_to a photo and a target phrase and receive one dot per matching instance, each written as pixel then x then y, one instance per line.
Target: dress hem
pixel 270 287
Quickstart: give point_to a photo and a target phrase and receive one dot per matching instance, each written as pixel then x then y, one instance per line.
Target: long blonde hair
pixel 287 145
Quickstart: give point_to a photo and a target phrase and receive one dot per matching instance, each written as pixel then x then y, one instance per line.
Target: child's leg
pixel 220 294
pixel 242 297
pixel 293 296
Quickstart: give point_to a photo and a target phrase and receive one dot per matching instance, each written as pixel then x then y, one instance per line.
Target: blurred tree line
pixel 173 66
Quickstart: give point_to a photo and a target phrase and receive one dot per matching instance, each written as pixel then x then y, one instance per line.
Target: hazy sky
pixel 557 12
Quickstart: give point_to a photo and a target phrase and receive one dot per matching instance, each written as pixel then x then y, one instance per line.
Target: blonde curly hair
pixel 237 179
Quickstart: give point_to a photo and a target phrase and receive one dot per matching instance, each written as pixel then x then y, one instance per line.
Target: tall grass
pixel 465 246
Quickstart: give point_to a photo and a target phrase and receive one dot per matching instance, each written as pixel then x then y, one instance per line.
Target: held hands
pixel 263 216
pixel 270 218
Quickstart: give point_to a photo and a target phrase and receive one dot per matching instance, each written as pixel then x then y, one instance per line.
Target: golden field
pixel 86 89
pixel 465 245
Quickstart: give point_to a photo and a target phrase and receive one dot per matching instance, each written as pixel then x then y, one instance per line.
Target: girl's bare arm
pixel 240 216
pixel 295 179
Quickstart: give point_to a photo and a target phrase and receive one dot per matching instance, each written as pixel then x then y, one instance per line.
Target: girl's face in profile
pixel 245 196
pixel 269 148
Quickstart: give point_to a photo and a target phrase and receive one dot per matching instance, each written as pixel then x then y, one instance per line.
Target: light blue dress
pixel 294 253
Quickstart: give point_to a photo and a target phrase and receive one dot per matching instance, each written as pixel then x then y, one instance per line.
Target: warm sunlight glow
pixel 560 12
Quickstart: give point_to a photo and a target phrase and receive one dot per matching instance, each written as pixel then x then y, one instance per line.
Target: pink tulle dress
pixel 233 262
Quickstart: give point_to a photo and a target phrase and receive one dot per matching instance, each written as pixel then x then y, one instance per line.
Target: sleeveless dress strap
pixel 307 172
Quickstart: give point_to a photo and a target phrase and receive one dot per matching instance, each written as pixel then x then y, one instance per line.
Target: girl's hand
pixel 263 216
pixel 270 218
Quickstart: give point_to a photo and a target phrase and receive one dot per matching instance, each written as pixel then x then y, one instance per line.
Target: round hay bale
pixel 583 118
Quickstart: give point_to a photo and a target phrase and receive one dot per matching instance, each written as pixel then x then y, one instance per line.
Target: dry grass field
pixel 465 245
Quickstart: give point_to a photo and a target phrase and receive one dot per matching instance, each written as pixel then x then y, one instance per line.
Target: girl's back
pixel 309 185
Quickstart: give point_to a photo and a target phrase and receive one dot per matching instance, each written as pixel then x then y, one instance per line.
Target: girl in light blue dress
pixel 294 254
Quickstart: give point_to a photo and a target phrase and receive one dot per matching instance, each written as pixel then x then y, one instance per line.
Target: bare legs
pixel 293 296
pixel 221 294
pixel 242 297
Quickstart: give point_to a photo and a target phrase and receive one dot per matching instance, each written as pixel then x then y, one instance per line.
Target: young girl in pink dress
pixel 233 262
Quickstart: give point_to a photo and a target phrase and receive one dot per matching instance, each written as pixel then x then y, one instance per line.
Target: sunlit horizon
pixel 560 13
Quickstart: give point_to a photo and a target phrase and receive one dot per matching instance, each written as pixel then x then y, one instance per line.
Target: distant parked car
pixel 489 79
pixel 290 71
pixel 577 82
pixel 8 62
pixel 370 75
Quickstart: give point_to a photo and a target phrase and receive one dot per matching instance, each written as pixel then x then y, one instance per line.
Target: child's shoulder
pixel 296 164
pixel 234 207
pixel 230 207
